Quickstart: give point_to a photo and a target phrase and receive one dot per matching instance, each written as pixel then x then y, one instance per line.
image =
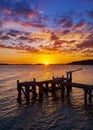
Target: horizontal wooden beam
pixel 61 80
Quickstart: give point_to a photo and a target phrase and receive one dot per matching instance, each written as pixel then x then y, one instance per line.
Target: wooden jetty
pixel 65 85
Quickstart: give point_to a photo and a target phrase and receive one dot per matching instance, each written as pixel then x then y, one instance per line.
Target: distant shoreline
pixel 82 62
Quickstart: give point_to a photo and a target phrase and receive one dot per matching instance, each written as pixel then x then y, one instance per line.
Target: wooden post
pixel 69 78
pixel 85 97
pixel 53 87
pixel 27 93
pixel 90 96
pixel 62 88
pixel 67 75
pixel 62 91
pixel 46 88
pixel 34 89
pixel 53 78
pixel 19 92
pixel 68 91
pixel 41 91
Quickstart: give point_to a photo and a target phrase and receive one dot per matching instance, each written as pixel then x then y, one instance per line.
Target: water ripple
pixel 51 114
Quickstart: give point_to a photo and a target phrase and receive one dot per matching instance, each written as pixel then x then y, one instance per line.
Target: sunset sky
pixel 39 31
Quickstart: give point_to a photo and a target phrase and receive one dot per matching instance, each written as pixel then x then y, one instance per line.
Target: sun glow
pixel 46 63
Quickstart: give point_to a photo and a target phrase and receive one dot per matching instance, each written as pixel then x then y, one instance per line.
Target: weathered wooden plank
pixel 79 85
pixel 39 82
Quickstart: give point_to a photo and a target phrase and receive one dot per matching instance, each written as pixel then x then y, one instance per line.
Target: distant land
pixel 81 62
pixel 3 64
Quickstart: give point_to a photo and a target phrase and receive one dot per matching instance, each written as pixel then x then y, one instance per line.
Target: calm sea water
pixel 50 114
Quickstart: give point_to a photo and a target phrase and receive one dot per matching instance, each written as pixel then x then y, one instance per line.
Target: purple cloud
pixel 64 22
pixel 90 13
pixel 85 44
pixel 80 24
pixel 35 24
pixel 20 46
pixel 5 37
pixel 18 8
pixel 54 37
pixel 66 31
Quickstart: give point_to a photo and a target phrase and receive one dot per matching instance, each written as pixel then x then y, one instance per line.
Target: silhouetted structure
pixel 63 83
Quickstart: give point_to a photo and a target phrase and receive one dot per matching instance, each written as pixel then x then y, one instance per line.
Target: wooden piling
pixel 62 83
pixel 34 89
pixel 46 85
pixel 69 79
pixel 62 88
pixel 68 91
pixel 19 92
pixel 40 91
pixel 85 97
pixel 27 91
pixel 53 86
pixel 62 91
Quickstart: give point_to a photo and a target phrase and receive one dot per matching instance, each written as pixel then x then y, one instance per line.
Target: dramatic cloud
pixel 64 22
pixel 66 31
pixel 54 37
pixel 18 8
pixel 90 13
pixel 88 52
pixel 4 37
pixel 20 46
pixel 52 27
pixel 35 24
pixel 14 33
pixel 80 24
pixel 86 44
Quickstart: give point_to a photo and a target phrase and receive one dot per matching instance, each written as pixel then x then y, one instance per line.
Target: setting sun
pixel 46 63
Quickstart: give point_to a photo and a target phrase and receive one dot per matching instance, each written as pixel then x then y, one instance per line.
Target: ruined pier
pixel 64 84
